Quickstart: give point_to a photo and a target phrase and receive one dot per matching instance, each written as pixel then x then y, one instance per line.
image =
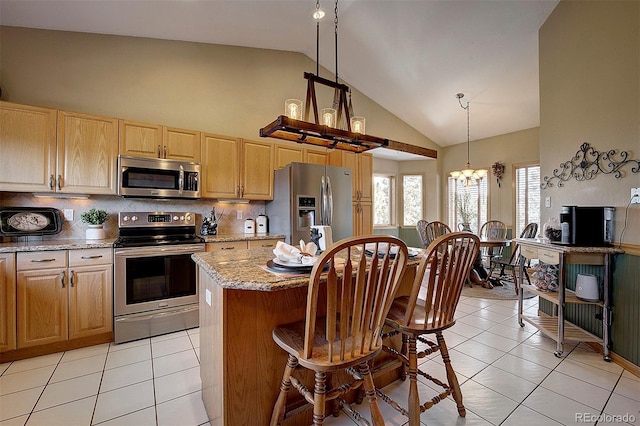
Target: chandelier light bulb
pixel 357 125
pixel 293 109
pixel 328 117
pixel 318 14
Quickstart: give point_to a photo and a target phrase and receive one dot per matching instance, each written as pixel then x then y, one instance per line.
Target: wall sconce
pixel 293 109
pixel 498 170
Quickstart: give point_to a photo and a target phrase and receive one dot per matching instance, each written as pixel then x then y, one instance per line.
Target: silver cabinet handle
pixel 42 260
pixel 52 181
pixel 59 181
pixel 227 248
pixel 71 278
pixel 158 151
pixel 98 256
pixel 164 151
pixel 62 278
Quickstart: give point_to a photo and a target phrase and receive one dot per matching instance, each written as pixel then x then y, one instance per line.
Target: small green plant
pixel 94 217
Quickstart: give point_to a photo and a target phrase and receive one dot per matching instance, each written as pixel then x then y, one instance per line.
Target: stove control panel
pixel 155 219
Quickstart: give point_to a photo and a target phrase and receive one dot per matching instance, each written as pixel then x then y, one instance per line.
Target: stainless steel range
pixel 155 289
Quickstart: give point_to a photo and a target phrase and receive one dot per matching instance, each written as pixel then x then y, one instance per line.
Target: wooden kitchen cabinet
pixel 28 145
pixel 7 301
pixel 157 141
pixel 241 245
pixel 286 153
pixel 237 168
pixel 63 295
pixel 316 157
pixel 87 154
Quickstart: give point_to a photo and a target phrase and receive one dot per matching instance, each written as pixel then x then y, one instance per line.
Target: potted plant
pixel 466 210
pixel 95 218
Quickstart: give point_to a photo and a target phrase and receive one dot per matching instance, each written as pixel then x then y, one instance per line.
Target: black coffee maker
pixel 587 226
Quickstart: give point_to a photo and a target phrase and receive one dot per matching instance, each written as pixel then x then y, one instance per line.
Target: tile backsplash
pixel 227 213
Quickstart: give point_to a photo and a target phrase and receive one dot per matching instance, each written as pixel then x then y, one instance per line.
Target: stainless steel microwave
pixel 158 178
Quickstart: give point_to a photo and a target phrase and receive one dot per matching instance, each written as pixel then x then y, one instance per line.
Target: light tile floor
pixel 509 376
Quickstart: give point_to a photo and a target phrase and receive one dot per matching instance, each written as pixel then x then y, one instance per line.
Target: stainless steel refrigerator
pixel 310 194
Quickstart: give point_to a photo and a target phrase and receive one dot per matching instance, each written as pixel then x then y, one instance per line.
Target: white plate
pixel 291 264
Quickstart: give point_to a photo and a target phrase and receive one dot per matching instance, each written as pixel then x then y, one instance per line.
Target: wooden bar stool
pixel 351 288
pixel 430 309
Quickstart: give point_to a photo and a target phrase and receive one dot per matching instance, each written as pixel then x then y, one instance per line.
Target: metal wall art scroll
pixel 588 163
pixel 498 171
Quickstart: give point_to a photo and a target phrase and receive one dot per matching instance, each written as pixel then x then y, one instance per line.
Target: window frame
pixel 514 171
pixel 392 200
pixel 423 207
pixel 480 217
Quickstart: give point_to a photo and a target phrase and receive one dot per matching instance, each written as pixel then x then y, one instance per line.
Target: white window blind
pixel 527 197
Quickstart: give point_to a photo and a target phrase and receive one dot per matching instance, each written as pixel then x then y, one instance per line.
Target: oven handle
pixel 155 250
pixel 139 318
pixel 181 180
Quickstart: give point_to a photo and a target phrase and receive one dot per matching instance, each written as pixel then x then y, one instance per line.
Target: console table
pixel 556 326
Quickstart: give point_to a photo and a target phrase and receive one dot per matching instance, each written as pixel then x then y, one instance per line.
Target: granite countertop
pixel 542 243
pixel 223 238
pixel 44 245
pixel 245 270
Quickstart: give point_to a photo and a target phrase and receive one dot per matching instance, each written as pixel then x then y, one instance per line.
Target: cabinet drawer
pixel 224 246
pixel 88 257
pixel 529 252
pixel 42 260
pixel 254 244
pixel 549 256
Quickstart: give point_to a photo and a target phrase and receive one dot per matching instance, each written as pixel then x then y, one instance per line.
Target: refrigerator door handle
pixel 329 203
pixel 323 201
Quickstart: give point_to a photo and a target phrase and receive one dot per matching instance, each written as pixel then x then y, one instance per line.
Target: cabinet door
pixel 42 307
pixel 285 154
pixel 256 175
pixel 365 177
pixel 316 157
pixel 140 139
pixel 87 154
pixel 220 166
pixel 366 218
pixel 7 302
pixel 28 138
pixel 257 244
pixel 90 300
pixel 180 144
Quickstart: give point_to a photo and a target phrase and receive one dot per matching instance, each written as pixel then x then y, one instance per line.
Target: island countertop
pixel 244 270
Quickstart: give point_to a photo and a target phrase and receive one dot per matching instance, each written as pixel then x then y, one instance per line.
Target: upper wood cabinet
pixel 362 167
pixel 237 168
pixel 28 147
pixel 156 141
pixel 286 153
pixel 316 157
pixel 7 302
pixel 87 154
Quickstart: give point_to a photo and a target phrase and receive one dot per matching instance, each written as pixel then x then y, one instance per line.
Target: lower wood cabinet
pixel 7 301
pixel 240 245
pixel 63 295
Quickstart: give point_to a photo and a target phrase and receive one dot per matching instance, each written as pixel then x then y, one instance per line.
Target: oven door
pixel 153 278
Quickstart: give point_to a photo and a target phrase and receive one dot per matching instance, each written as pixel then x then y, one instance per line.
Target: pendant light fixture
pixel 335 127
pixel 467 176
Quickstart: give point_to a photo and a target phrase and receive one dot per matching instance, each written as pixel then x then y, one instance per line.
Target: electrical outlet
pixel 239 214
pixel 68 214
pixel 635 195
pixel 547 202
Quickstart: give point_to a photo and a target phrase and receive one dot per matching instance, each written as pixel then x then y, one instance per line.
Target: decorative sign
pixel 588 163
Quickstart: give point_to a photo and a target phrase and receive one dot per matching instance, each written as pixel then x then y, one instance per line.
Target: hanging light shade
pixel 467 176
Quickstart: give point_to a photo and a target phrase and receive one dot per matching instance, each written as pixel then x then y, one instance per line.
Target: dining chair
pixel 421 227
pixel 435 229
pixel 492 229
pixel 342 329
pixel 429 310
pixel 529 231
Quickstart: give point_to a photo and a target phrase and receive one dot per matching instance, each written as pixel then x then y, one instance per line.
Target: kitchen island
pixel 240 303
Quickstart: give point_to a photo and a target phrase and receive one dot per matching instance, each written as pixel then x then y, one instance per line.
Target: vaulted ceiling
pixel 409 56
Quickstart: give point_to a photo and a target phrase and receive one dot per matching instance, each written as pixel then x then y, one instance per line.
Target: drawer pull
pixel 43 260
pixel 97 256
pixel 266 245
pixel 71 278
pixel 227 248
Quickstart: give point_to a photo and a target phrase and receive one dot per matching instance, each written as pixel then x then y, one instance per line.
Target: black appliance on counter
pixel 587 226
pixel 29 221
pixel 155 288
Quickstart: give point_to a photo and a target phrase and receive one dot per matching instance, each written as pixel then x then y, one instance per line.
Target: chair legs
pixel 414 397
pixel 451 375
pixel 281 403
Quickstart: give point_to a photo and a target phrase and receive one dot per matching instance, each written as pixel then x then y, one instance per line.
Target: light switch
pixel 239 214
pixel 547 202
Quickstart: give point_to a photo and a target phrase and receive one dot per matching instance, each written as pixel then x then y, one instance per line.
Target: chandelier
pixel 335 127
pixel 467 176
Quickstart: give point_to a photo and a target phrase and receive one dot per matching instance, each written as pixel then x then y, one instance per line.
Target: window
pixel 467 204
pixel 411 199
pixel 383 206
pixel 527 197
